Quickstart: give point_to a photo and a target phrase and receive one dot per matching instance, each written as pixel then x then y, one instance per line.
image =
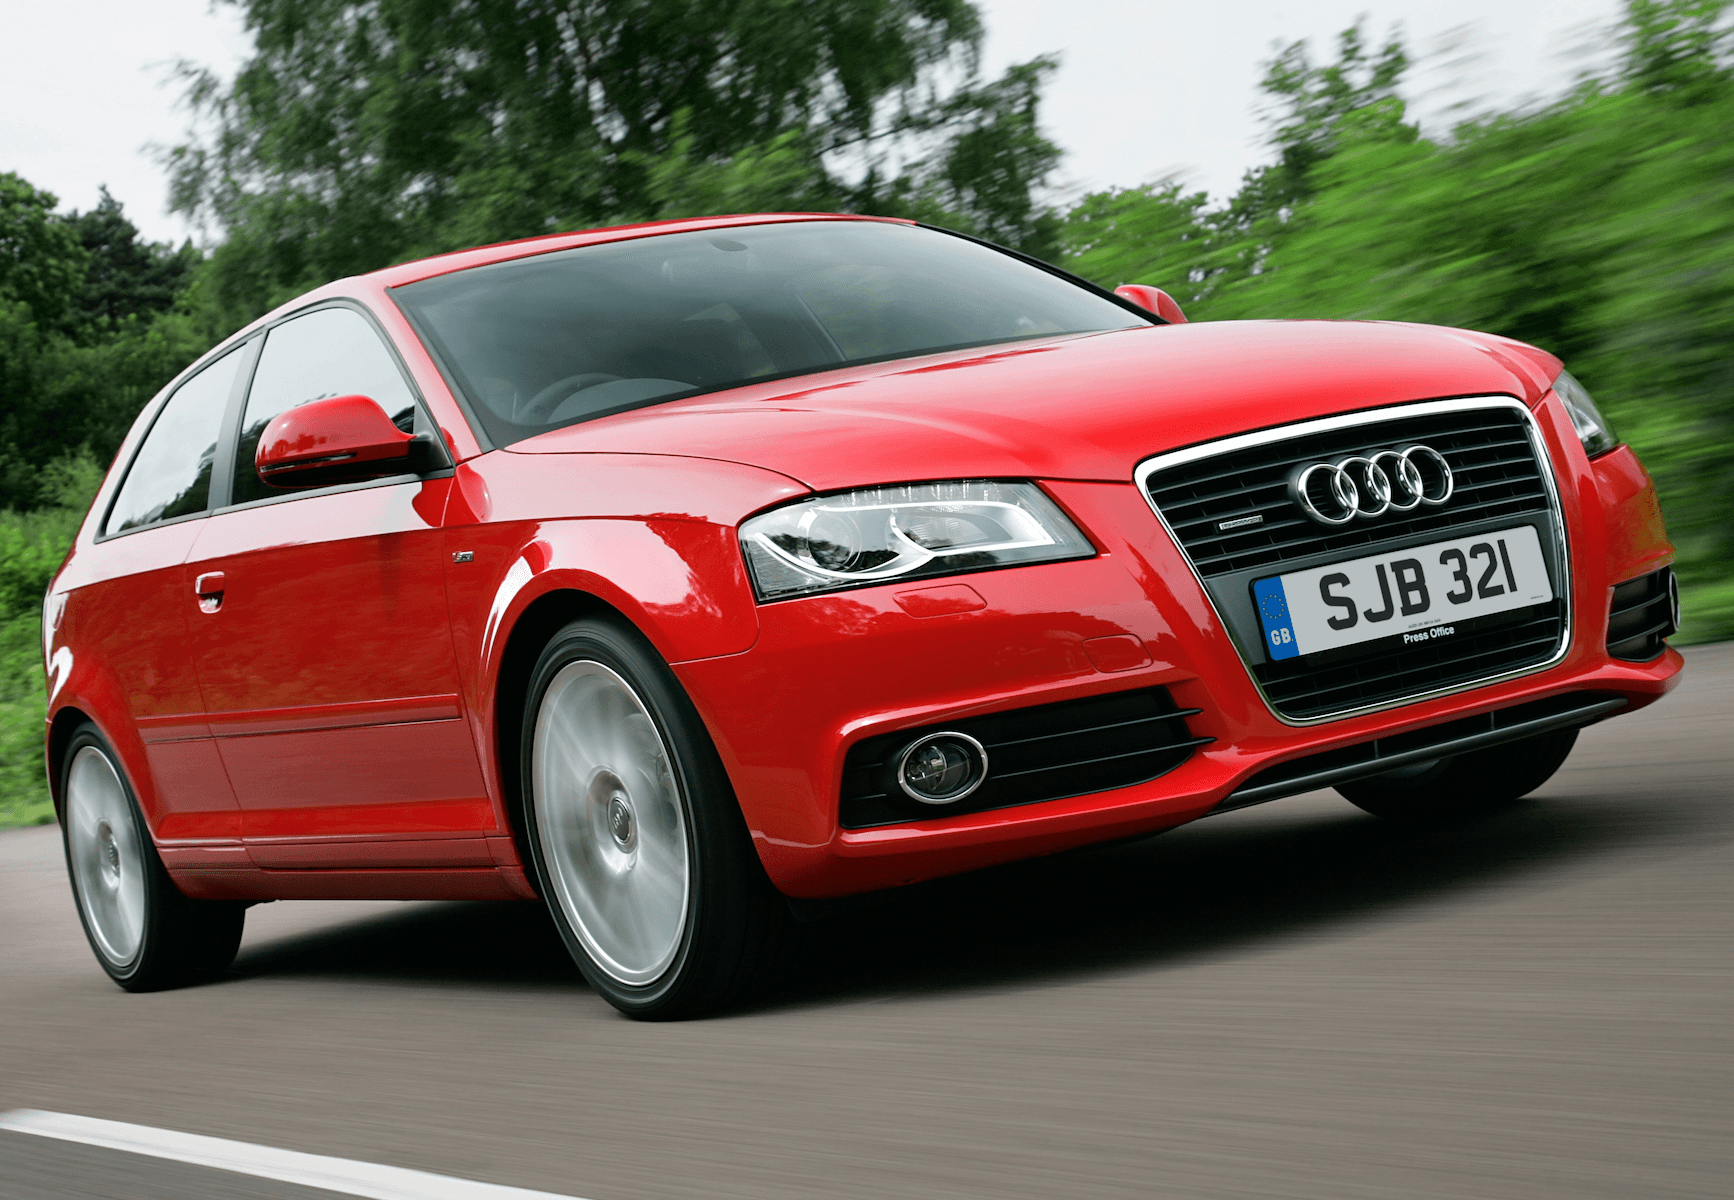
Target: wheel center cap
pixel 620 822
pixel 109 851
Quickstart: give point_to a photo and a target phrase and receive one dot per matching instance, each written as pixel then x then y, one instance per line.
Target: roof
pixel 444 264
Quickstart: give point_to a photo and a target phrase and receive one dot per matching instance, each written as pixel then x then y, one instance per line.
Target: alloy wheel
pixel 610 820
pixel 108 867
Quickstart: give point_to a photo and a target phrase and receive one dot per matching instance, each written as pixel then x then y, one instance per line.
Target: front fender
pixel 681 583
pixel 650 536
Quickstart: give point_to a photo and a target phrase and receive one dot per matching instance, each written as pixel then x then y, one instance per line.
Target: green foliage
pixel 781 175
pixel 127 276
pixel 1149 233
pixel 93 321
pixel 363 134
pixel 1676 47
pixel 42 265
pixel 32 547
pixel 24 798
pixel 1316 109
pixel 1600 228
pixel 982 178
pixel 58 396
pixel 1157 232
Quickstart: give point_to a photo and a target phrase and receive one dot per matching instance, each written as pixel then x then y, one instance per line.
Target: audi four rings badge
pixel 1370 486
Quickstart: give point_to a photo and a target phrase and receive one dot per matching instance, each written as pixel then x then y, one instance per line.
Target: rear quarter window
pixel 170 476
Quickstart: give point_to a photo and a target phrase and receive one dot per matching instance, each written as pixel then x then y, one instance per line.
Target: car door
pixel 325 655
pixel 132 614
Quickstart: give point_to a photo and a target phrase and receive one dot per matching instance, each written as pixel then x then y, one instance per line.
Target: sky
pixel 1146 88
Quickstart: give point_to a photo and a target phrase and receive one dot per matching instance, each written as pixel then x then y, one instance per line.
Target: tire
pixel 145 933
pixel 636 839
pixel 1464 786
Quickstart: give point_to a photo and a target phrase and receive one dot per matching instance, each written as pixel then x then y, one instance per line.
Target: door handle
pixel 209 588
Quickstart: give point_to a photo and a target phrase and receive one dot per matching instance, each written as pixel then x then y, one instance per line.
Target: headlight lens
pixel 910 531
pixel 1593 429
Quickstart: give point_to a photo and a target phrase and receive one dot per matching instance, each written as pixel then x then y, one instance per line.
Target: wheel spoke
pixel 610 822
pixel 107 856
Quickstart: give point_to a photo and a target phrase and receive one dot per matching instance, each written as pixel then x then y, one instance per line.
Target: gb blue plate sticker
pixel 1279 640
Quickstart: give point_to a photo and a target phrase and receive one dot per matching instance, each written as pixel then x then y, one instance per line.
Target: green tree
pixel 42 265
pixel 126 276
pixel 1177 240
pixel 87 332
pixel 1156 234
pixel 362 134
pixel 1312 110
pixel 983 176
pixel 1676 46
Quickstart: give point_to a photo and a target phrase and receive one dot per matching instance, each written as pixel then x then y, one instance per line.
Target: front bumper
pixel 829 671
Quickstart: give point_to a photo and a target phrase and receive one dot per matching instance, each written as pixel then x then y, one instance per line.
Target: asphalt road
pixel 1297 1000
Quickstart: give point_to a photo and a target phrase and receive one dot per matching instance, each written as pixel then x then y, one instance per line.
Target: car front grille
pixel 1245 483
pixel 1489 452
pixel 1298 690
pixel 1045 752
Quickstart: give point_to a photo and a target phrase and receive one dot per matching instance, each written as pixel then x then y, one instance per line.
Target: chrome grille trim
pixel 1368 417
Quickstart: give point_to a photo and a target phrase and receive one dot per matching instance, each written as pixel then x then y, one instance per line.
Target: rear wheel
pixel 145 933
pixel 1465 785
pixel 638 844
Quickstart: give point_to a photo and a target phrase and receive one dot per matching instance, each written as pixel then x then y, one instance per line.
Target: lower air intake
pixel 1302 688
pixel 1367 760
pixel 1046 752
pixel 1645 611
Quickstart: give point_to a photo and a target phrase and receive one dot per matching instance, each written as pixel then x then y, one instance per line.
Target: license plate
pixel 1420 593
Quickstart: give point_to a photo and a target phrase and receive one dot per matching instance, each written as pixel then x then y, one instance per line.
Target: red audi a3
pixel 669 573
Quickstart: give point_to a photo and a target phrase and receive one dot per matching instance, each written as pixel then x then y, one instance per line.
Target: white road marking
pixel 289 1166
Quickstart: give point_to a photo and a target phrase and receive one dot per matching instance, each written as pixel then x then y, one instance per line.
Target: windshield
pixel 542 342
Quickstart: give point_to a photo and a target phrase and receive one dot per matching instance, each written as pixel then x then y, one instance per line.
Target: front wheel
pixel 637 842
pixel 1465 785
pixel 146 934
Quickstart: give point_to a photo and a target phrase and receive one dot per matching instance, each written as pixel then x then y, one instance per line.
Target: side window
pixel 331 352
pixel 171 474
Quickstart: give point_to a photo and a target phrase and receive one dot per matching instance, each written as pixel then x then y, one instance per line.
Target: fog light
pixel 941 768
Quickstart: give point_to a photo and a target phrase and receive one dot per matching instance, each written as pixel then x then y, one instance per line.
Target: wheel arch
pixel 541 619
pixel 680 584
pixel 61 726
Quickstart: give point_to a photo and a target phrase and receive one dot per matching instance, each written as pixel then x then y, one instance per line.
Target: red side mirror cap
pixel 340 439
pixel 1152 299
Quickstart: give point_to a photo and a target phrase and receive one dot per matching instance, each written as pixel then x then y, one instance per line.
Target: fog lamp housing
pixel 941 768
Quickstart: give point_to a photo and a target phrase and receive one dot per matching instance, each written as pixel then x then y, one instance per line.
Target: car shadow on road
pixel 1219 887
pixel 502 944
pixel 1216 888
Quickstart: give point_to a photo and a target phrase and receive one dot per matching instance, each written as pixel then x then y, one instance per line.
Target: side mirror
pixel 1152 299
pixel 341 439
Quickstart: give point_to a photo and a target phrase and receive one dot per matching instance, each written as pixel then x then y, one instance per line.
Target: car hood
pixel 1085 407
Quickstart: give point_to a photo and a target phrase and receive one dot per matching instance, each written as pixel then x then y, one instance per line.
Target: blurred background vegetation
pixel 1599 226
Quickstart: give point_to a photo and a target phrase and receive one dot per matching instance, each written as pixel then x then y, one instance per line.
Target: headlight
pixel 1592 428
pixel 910 531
